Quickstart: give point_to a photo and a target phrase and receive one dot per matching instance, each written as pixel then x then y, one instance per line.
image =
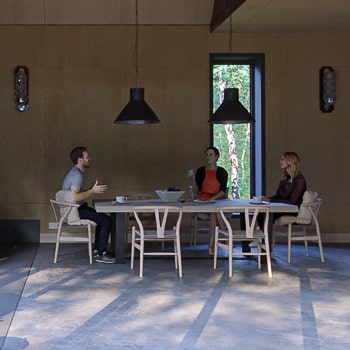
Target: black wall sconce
pixel 21 89
pixel 327 89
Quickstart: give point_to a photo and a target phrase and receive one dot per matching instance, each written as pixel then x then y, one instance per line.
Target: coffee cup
pixel 257 199
pixel 121 199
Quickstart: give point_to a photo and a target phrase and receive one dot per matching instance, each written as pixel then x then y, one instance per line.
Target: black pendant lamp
pixel 231 111
pixel 137 110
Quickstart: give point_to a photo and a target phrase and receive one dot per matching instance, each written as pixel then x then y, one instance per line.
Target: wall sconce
pixel 21 88
pixel 327 89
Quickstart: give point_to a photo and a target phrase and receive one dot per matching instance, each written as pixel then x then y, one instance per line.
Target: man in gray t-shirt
pixel 74 181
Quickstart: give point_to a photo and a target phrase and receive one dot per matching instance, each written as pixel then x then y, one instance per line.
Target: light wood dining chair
pixel 305 226
pixel 225 238
pixel 70 228
pixel 200 224
pixel 161 233
pixel 147 218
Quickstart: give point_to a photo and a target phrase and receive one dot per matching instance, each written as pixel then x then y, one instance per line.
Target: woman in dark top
pixel 290 189
pixel 293 184
pixel 211 182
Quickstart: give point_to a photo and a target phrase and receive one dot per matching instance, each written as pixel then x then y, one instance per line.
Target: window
pixel 241 145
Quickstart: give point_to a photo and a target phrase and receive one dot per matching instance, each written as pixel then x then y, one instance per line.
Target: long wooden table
pixel 119 211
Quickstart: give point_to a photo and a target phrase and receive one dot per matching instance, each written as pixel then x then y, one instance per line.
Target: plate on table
pixel 255 203
pixel 203 201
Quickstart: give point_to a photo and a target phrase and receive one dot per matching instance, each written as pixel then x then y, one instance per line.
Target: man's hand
pixel 97 189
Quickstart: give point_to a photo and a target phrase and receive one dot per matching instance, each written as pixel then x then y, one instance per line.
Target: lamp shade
pixel 231 111
pixel 137 110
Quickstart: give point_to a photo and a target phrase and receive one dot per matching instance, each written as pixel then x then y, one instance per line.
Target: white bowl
pixel 169 196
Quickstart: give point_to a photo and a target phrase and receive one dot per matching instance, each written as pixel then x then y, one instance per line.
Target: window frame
pixel 257 103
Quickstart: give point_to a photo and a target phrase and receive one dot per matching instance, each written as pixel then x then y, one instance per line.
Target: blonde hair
pixel 293 169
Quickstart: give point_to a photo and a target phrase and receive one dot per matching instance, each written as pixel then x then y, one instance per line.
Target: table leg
pixel 118 236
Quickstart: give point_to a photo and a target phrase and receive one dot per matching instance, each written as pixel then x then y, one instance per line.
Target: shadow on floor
pixel 303 306
pixel 15 263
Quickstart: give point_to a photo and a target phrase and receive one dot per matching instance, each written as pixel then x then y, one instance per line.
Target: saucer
pixel 204 201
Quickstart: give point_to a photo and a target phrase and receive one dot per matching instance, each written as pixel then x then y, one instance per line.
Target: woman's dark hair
pixel 216 151
pixel 76 153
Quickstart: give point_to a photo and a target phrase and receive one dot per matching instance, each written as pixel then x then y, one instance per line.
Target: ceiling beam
pixel 222 10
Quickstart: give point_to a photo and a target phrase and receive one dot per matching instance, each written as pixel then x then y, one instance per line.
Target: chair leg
pixel 89 244
pixel 216 247
pixel 289 241
pixel 321 249
pixel 175 254
pixel 319 241
pixel 179 261
pixel 258 248
pixel 132 249
pixel 142 250
pixel 306 243
pixel 57 246
pixel 230 260
pixel 268 256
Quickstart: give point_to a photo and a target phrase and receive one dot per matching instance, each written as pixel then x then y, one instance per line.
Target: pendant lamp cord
pixel 230 37
pixel 136 56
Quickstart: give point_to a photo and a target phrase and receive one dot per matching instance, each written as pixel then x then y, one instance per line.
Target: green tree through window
pixel 233 140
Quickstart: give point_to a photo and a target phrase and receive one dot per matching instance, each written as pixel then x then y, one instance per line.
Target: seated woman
pixel 211 182
pixel 290 189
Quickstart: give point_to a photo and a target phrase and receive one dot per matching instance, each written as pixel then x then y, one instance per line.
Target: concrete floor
pixel 75 305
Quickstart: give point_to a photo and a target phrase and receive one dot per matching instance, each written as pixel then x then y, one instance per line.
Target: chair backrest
pixel 314 207
pixel 61 210
pixel 250 217
pixel 66 199
pixel 161 214
pixel 305 215
pixel 68 210
pixel 308 211
pixel 145 216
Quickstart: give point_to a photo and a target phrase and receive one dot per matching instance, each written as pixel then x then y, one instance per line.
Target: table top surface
pixel 190 206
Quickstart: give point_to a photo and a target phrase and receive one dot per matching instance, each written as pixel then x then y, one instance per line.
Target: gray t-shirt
pixel 74 178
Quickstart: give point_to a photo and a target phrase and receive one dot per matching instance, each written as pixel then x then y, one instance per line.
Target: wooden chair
pixel 200 223
pixel 298 226
pixel 225 238
pixel 70 228
pixel 147 218
pixel 160 233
